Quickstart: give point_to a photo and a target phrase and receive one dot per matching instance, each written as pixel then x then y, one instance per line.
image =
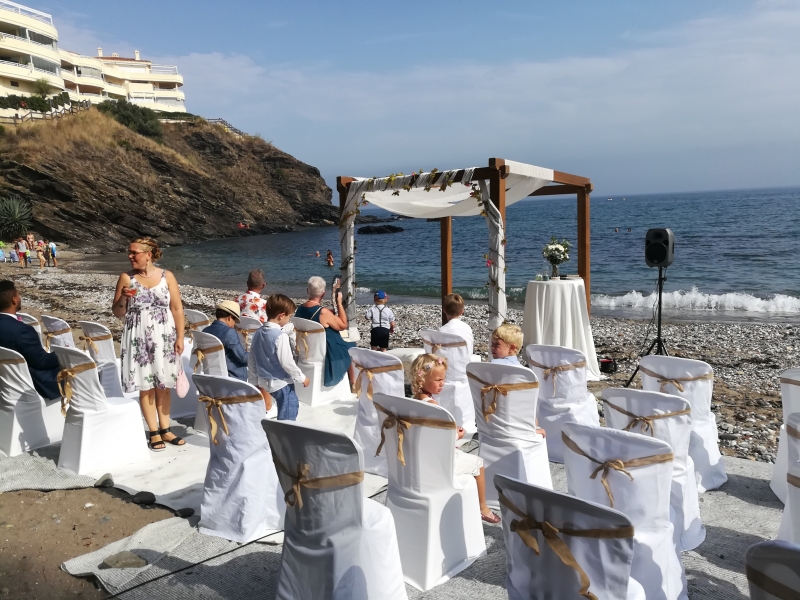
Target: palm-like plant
pixel 16 216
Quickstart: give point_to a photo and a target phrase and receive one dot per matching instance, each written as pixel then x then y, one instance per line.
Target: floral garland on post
pixel 495 259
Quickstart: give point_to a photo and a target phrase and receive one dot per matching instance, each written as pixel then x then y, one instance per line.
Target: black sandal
pixel 152 445
pixel 176 441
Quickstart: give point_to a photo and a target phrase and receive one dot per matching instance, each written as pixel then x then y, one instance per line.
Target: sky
pixel 642 97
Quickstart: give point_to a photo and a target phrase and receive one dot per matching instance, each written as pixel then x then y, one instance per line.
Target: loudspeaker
pixel 659 248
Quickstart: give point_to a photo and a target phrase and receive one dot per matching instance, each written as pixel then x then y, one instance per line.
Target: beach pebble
pixel 184 513
pixel 145 498
pixel 106 481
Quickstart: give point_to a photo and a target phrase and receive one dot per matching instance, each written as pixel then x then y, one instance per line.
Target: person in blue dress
pixel 337 357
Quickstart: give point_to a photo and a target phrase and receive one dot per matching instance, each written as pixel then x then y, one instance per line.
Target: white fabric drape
pixel 496 261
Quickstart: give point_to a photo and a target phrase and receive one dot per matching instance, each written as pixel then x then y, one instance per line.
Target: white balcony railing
pixel 26 12
pixel 57 72
pixel 91 76
pixel 164 69
pixel 4 36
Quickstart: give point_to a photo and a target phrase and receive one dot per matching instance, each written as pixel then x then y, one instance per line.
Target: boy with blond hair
pixel 453 307
pixel 506 343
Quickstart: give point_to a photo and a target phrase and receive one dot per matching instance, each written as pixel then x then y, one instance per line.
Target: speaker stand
pixel 658 344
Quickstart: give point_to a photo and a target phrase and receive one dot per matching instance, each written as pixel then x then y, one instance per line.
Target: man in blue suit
pixel 227 314
pixel 16 335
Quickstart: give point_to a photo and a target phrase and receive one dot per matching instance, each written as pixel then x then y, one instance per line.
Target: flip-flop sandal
pixel 152 445
pixel 176 441
pixel 490 518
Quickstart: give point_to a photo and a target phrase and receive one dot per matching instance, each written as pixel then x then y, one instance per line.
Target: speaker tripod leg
pixel 636 370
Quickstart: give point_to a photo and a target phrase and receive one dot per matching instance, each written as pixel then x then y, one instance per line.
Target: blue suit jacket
pixel 43 366
pixel 235 355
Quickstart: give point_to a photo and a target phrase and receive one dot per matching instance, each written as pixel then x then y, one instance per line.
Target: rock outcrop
pixel 95 184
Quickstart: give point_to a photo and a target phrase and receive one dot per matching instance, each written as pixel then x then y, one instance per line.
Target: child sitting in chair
pixel 382 320
pixel 428 372
pixel 506 343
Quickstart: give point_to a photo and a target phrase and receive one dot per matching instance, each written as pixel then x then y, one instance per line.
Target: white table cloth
pixel 556 315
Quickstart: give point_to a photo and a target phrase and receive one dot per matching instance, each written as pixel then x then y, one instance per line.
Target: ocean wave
pixel 697 300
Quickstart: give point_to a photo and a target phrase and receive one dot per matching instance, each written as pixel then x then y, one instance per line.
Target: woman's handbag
pixel 182 385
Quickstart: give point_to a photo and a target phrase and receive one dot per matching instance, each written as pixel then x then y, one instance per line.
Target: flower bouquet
pixel 556 252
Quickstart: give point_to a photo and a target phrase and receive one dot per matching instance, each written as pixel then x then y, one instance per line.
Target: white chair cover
pixel 311 349
pixel 56 332
pixel 208 358
pixel 406 356
pixel 337 545
pixel 454 349
pixel 186 406
pixel 696 379
pixel 675 430
pixel 196 320
pixel 246 327
pixel 773 571
pixel 790 398
pixel 439 527
pixel 100 434
pixel 27 421
pixel 33 322
pixel 242 497
pixel 376 372
pixel 509 442
pixel 563 395
pixel 606 562
pixel 99 343
pixel 790 521
pixel 644 499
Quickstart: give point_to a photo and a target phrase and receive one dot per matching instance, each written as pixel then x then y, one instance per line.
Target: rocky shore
pixel 747 358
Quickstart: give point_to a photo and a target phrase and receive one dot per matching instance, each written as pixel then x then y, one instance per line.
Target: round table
pixel 556 315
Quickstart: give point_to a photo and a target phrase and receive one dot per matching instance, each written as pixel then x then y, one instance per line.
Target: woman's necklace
pixel 145 275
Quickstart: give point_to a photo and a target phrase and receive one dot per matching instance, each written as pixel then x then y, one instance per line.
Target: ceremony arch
pixel 442 195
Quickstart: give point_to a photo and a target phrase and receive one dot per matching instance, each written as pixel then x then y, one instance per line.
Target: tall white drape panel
pixel 347 240
pixel 496 262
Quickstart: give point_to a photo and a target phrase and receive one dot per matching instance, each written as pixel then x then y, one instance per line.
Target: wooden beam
pixel 446 235
pixel 561 177
pixel 497 189
pixel 343 186
pixel 556 190
pixel 584 251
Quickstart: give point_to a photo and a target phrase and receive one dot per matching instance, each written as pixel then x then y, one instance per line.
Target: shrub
pixel 16 216
pixel 136 118
pixel 2 131
pixel 25 103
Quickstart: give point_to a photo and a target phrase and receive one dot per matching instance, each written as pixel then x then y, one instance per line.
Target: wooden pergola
pixel 496 173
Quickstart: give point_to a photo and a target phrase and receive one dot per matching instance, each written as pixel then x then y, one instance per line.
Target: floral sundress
pixel 148 340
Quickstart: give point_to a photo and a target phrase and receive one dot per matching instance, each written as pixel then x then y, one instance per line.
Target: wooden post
pixel 446 235
pixel 584 254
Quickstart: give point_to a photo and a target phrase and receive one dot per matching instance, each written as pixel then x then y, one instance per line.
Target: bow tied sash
pixel 64 380
pixel 369 373
pixel 436 347
pixel 605 467
pixel 211 402
pixel 772 586
pixel 646 421
pixel 196 325
pixel 553 371
pixel 201 353
pixel 90 341
pixel 301 480
pixel 49 335
pixel 526 525
pixel 404 423
pixel 303 335
pixel 245 334
pixel 790 381
pixel 498 388
pixel 676 381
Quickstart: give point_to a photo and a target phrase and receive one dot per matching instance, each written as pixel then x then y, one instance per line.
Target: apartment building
pixel 29 51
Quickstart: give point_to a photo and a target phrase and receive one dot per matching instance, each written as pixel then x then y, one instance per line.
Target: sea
pixel 737 255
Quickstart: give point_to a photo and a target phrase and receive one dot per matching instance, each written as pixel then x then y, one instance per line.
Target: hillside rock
pixel 95 185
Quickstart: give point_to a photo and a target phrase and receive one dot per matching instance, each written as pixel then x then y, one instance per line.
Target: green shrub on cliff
pixel 25 103
pixel 136 118
pixel 15 216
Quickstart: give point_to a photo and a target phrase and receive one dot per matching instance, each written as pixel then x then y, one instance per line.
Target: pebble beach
pixel 747 358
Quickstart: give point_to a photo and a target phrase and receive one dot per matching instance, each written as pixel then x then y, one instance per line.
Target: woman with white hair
pixel 337 357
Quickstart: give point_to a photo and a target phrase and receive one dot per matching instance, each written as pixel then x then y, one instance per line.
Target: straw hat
pixel 231 307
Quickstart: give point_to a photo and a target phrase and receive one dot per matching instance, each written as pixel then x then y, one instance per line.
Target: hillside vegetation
pixel 96 184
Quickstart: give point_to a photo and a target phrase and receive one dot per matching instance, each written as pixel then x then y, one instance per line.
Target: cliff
pixel 95 184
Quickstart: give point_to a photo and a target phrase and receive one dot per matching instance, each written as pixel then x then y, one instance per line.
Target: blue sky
pixel 639 96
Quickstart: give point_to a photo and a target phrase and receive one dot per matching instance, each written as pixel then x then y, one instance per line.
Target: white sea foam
pixel 697 300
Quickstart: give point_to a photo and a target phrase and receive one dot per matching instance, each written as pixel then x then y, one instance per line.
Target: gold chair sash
pixel 676 381
pixel 792 431
pixel 646 421
pixel 197 325
pixel 218 402
pixel 789 381
pixel 245 333
pixel 304 334
pixel 526 524
pixel 436 347
pixel 402 423
pixel 200 353
pixel 793 480
pixel 370 372
pixel 12 361
pixel 553 371
pixel 64 380
pixel 498 388
pixel 49 335
pixel 617 464
pixel 90 341
pixel 300 480
pixel 770 585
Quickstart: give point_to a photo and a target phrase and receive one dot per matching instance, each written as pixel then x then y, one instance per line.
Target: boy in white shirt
pixel 453 307
pixel 271 366
pixel 382 319
pixel 505 344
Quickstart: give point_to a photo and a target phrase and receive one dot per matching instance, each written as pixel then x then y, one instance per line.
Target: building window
pixel 15 84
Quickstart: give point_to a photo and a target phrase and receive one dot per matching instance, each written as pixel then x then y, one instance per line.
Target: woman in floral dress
pixel 149 300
